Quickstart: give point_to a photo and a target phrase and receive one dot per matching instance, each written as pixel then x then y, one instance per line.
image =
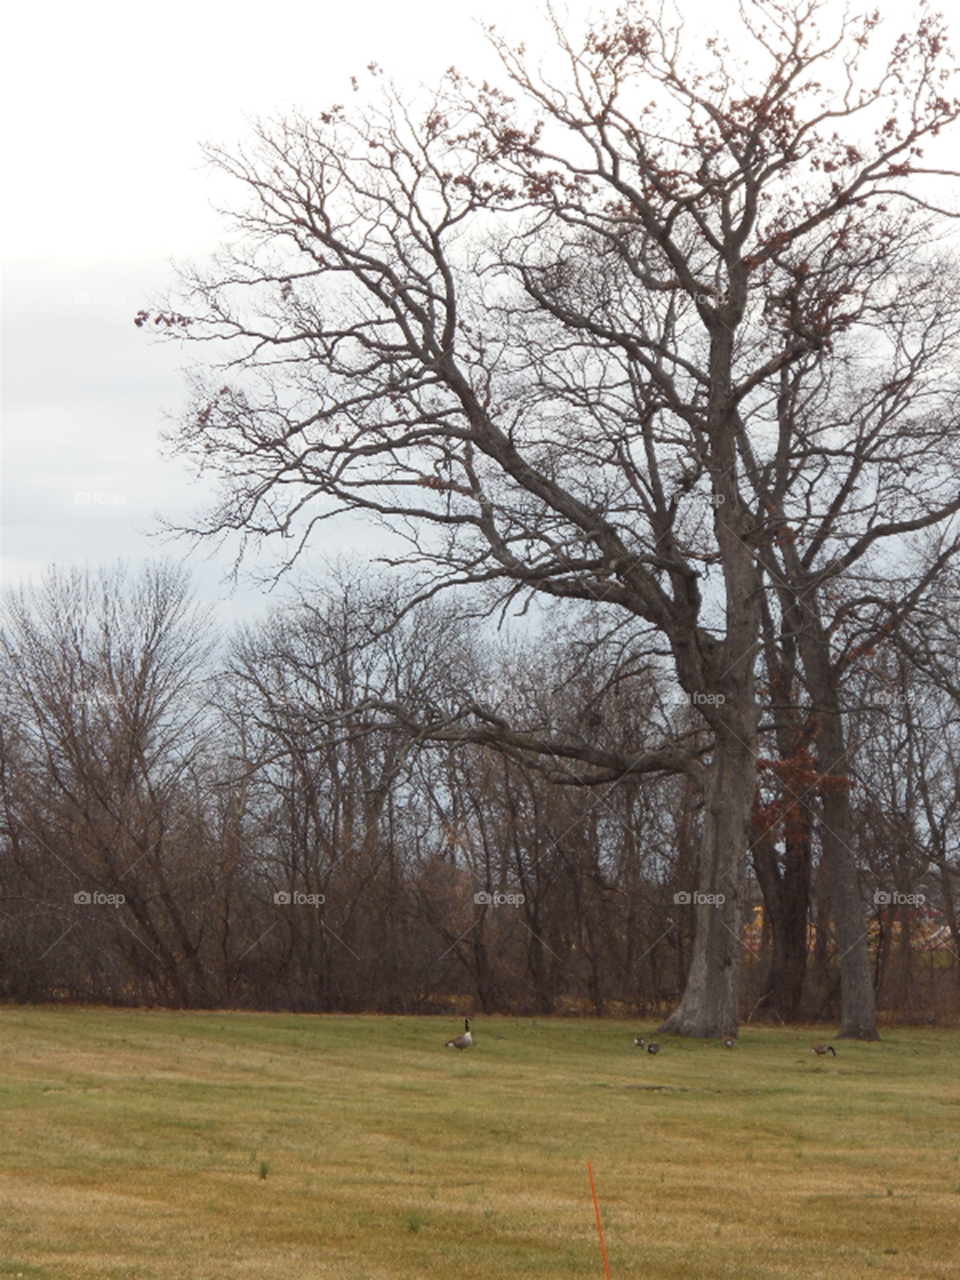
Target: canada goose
pixel 821 1050
pixel 653 1048
pixel 461 1042
pixel 728 1042
pixel 639 1042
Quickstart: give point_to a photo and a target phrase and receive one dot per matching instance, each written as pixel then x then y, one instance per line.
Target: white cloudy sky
pixel 104 105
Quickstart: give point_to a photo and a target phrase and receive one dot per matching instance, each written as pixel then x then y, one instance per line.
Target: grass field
pixel 195 1146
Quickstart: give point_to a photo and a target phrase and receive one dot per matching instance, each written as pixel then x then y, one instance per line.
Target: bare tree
pixel 543 340
pixel 303 701
pixel 102 683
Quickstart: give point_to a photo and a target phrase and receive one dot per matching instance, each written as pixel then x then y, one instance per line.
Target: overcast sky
pixel 104 108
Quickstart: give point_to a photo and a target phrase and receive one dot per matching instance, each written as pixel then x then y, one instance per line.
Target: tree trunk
pixel 710 1006
pixel 484 980
pixel 949 908
pixel 857 1001
pixel 786 898
pixel 537 964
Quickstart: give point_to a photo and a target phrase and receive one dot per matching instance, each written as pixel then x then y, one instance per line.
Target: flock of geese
pixel 821 1049
pixel 465 1040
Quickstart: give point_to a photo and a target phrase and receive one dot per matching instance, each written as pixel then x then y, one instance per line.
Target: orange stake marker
pixel 596 1206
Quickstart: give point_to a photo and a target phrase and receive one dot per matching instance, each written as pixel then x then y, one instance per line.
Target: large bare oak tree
pixel 544 338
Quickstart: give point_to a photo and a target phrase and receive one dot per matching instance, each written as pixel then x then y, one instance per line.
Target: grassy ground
pixel 165 1146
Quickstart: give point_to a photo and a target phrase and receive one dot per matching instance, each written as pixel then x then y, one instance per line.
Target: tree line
pixel 313 814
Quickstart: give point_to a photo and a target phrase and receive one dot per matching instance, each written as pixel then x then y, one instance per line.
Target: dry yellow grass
pixel 165 1146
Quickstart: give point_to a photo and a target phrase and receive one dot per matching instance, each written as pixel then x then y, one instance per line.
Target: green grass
pixel 166 1146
